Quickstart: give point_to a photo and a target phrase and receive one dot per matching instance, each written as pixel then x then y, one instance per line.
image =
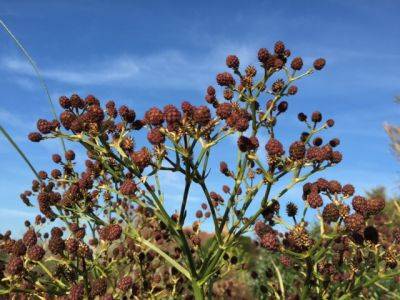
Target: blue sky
pixel 159 52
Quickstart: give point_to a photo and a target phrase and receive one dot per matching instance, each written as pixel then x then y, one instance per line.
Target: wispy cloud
pixel 17 213
pixel 166 69
pixel 117 69
pixel 12 119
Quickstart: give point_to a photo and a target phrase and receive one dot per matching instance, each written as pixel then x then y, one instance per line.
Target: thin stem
pixel 20 152
pixel 36 69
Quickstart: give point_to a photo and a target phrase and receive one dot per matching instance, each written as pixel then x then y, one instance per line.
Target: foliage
pixel 112 236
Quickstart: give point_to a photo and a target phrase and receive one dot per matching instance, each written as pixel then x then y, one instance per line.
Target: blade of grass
pixel 37 72
pixel 280 280
pixel 9 138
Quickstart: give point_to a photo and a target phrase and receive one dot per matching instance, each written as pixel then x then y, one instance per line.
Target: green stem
pixel 36 69
pixel 198 291
pixel 22 154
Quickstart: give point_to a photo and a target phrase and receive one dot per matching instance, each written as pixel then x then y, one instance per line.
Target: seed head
pixel 172 114
pixel 211 91
pixel 72 245
pixel 297 63
pixel 225 79
pixel 64 102
pixel 263 55
pixel 224 110
pixel 316 117
pixel 292 90
pixel 282 106
pixel 44 126
pixel 111 232
pixel 56 245
pixel 371 234
pixel 69 155
pixel 330 213
pixel 297 150
pixel 302 117
pixel 274 148
pixel 199 214
pixel 36 253
pixel 375 205
pixel 30 238
pixel 279 47
pixel 278 85
pixel 128 115
pixel 354 222
pixel 141 158
pixel 291 209
pixel 348 190
pixel 330 122
pixel 155 136
pixel 223 167
pixel 241 124
pixel 336 157
pixel 319 64
pixel 128 188
pixel 67 118
pixel 35 137
pixel 187 108
pixel 76 101
pixel 154 116
pixel 315 200
pixel 232 61
pixel 99 287
pixel 334 187
pixel 19 248
pixel 202 115
pixel 15 265
pixel 270 241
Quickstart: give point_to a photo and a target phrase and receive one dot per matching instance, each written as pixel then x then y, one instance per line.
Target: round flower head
pixel 297 63
pixel 297 150
pixel 125 283
pixel 35 253
pixel 29 238
pixel 270 241
pixel 274 148
pixel 172 114
pixel 319 64
pixel 202 115
pixel 224 110
pixel 314 200
pixel 375 205
pixel 155 136
pixel 15 265
pixel 232 61
pixel 291 209
pixel 279 47
pixel 154 116
pixel 99 287
pixel 354 222
pixel 263 55
pixel 225 79
pixel 330 213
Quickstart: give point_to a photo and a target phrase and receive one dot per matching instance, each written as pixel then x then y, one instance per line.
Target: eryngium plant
pixel 113 236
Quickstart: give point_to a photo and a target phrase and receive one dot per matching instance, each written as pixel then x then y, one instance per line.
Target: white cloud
pixel 166 69
pixel 17 213
pixel 13 120
pixel 114 70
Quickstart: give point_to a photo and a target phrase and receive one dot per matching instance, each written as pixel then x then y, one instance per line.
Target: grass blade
pixel 37 72
pixel 9 138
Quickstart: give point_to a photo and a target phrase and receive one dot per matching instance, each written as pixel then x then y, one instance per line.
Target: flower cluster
pixel 112 235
